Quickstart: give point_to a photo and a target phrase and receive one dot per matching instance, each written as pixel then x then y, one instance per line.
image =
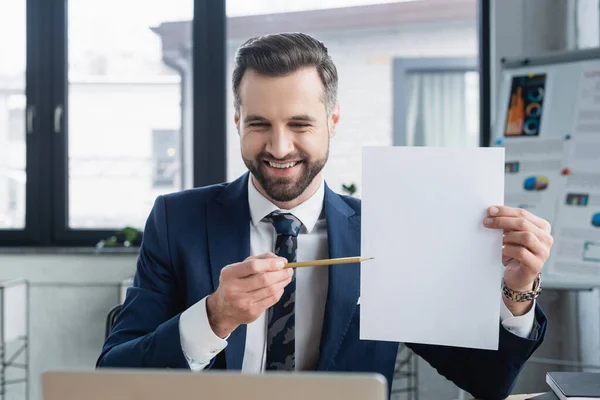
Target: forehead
pixel 300 91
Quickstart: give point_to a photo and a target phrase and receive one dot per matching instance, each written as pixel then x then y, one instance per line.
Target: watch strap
pixel 523 296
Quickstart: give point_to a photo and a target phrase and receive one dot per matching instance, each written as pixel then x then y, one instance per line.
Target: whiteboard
pixel 563 73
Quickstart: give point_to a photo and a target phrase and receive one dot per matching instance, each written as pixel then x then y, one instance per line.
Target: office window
pixel 363 37
pixel 16 118
pixel 441 106
pixel 126 77
pixel 165 150
pixel 12 121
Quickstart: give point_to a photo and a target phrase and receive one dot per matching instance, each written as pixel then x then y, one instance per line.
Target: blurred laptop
pixel 115 384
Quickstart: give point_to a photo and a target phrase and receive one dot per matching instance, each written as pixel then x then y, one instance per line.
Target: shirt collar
pixel 307 212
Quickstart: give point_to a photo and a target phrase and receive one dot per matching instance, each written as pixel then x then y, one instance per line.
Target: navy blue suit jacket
pixel 192 234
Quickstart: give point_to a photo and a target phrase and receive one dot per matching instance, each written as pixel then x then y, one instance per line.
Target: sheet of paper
pixel 437 270
pixel 577 229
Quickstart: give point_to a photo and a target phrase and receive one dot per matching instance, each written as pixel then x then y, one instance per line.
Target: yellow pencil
pixel 331 261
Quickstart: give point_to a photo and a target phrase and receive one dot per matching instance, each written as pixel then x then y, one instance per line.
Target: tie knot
pixel 284 223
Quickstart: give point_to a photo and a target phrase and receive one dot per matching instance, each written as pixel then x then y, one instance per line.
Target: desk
pixel 518 397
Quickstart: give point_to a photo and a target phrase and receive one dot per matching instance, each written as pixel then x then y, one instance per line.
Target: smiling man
pixel 210 291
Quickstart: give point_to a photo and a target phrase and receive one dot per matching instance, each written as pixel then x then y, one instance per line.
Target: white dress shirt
pixel 199 343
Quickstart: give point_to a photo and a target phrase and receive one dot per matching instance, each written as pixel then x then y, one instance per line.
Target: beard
pixel 285 189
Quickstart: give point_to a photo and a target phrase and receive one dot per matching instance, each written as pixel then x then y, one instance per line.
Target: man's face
pixel 284 131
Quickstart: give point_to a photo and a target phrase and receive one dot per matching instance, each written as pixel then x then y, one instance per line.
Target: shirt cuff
pixel 522 325
pixel 198 341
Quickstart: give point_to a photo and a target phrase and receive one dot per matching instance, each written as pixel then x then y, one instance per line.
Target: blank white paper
pixel 436 276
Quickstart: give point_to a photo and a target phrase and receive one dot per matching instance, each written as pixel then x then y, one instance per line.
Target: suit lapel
pixel 343 232
pixel 228 224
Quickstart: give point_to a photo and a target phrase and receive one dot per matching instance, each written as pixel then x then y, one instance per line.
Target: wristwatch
pixel 520 297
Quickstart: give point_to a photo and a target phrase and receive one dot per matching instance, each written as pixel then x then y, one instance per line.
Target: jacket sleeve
pixel 486 374
pixel 146 331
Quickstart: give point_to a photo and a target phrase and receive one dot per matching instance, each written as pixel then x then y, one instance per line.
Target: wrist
pixel 219 325
pixel 519 300
pixel 518 309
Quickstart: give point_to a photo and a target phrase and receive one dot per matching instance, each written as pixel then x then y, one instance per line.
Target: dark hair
pixel 282 54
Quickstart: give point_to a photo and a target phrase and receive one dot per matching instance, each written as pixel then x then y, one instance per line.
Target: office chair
pixel 111 318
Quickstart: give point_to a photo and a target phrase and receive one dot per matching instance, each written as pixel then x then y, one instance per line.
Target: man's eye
pixel 258 124
pixel 300 125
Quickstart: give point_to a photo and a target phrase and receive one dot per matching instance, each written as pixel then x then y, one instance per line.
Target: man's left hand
pixel 526 247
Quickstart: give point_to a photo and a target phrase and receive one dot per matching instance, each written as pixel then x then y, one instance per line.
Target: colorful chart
pixel 535 183
pixel 511 167
pixel 525 106
pixel 577 199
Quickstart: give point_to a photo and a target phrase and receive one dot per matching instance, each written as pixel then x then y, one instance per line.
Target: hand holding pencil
pixel 246 289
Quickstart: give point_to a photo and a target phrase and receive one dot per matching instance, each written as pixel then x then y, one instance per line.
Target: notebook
pixel 575 385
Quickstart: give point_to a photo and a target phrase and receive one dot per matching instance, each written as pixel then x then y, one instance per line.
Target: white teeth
pixel 282 166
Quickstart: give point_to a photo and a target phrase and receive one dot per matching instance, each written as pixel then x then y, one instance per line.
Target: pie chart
pixel 535 183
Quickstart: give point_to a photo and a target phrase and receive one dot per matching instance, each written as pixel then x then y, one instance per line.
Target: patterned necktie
pixel 281 319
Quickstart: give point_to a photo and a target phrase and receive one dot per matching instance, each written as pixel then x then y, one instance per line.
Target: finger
pixel 258 281
pixel 262 256
pixel 511 224
pixel 254 266
pixel 506 260
pixel 528 240
pixel 505 211
pixel 270 301
pixel 530 264
pixel 270 295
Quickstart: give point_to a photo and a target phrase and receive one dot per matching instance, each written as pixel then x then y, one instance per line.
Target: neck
pixel 288 205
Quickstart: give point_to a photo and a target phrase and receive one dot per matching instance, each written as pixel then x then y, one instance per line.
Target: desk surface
pixel 520 396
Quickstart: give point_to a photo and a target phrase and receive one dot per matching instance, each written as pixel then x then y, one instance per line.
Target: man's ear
pixel 334 119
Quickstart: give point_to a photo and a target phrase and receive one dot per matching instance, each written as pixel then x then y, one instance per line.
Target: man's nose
pixel 280 143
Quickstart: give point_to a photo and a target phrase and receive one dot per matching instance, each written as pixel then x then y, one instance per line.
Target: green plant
pixel 126 237
pixel 350 189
